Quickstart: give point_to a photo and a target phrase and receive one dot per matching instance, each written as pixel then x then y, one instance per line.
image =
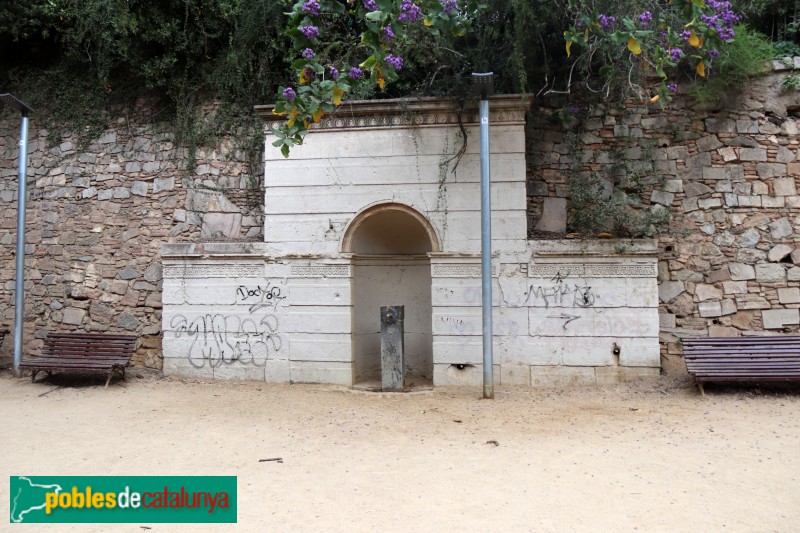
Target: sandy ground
pixel 648 456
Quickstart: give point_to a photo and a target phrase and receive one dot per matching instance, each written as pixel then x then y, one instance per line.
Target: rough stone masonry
pixel 99 214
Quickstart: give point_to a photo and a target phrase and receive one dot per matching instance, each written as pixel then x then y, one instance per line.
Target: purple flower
pixel 573 109
pixel 673 87
pixel 354 74
pixel 713 54
pixel 311 7
pixel 675 54
pixel 308 53
pixel 722 21
pixel 289 94
pixel 606 22
pixel 686 35
pixel 396 62
pixel 388 34
pixel 409 12
pixel 309 74
pixel 334 73
pixel 311 32
pixel 449 6
pixel 370 5
pixel 645 18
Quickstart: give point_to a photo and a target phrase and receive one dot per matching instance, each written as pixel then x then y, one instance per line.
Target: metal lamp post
pixel 483 86
pixel 19 294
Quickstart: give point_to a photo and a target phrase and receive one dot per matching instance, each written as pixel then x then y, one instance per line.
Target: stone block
pixel 722 331
pixel 785 155
pixel 750 256
pixel 789 295
pixel 276 371
pixel 128 273
pixel 674 185
pixel 562 376
pixel 714 173
pixel 554 215
pixel 747 126
pixel 320 372
pixel 694 188
pixel 467 375
pixel 734 287
pixel 749 201
pixel 669 290
pixel 780 228
pixel 780 318
pixel 707 292
pixel 163 184
pixel 515 375
pixel 128 321
pixel 74 316
pixel 728 307
pixel 661 197
pixel 219 225
pixel 779 252
pixel 183 368
pixel 753 154
pixel 770 273
pixel 718 275
pixel 774 202
pixel 784 187
pixel 139 188
pixel 770 170
pixel 749 238
pixel 709 203
pixel 708 143
pixel 742 320
pixel 639 352
pixel 720 125
pixel 710 309
pixel 728 154
pixel 666 320
pixel 751 301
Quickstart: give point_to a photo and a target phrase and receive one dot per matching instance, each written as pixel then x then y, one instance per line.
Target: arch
pixel 390 228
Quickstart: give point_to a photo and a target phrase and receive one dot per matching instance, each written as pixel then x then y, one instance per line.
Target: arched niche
pixel 390 243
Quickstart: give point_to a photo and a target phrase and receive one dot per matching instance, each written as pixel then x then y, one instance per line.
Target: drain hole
pixel 462 366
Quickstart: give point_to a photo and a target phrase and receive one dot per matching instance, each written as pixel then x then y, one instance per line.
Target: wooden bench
pixel 67 352
pixel 743 359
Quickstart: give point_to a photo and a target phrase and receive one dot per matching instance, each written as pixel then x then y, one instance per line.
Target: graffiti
pixel 562 295
pixel 456 326
pixel 564 316
pixel 583 296
pixel 218 339
pixel 268 294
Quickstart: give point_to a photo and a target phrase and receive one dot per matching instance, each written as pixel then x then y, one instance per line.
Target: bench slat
pixel 83 351
pixel 743 359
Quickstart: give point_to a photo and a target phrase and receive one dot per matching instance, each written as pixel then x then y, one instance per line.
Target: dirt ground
pixel 645 456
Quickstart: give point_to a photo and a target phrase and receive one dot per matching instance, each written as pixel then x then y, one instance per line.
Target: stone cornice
pixel 418 112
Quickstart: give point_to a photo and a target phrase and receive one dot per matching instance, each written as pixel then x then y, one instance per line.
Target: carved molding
pixel 592 271
pixel 213 271
pixel 321 271
pixel 422 112
pixel 459 271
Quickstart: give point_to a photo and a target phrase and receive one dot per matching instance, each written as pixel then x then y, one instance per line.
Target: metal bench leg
pixel 33 375
pixel 702 390
pixel 110 374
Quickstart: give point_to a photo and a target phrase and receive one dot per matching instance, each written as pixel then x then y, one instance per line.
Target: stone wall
pixel 97 216
pixel 728 264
